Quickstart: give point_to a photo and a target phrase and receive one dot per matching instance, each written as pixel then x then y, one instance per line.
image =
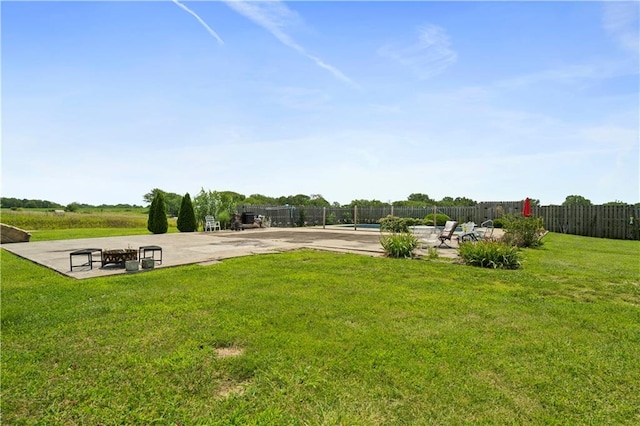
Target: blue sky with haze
pixel 103 101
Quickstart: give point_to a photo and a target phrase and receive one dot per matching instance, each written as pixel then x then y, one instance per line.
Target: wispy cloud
pixel 620 20
pixel 204 24
pixel 275 17
pixel 429 56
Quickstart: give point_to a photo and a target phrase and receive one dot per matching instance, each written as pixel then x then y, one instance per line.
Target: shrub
pixel 523 231
pixel 498 223
pixel 331 219
pixel 73 207
pixel 393 224
pixel 186 215
pixel 152 214
pixel 225 219
pixel 441 219
pixel 490 254
pixel 302 218
pixel 157 222
pixel 399 245
pixel 410 221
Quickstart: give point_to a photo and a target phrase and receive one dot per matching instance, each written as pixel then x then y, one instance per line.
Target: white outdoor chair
pixel 486 230
pixel 210 224
pixel 468 233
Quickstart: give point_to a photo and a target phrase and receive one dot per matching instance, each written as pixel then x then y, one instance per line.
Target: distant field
pixel 113 219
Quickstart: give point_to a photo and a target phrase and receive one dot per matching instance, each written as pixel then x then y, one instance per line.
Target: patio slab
pixel 207 247
pixel 197 247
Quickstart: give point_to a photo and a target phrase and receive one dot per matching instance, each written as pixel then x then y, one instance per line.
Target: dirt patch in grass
pixel 229 352
pixel 230 388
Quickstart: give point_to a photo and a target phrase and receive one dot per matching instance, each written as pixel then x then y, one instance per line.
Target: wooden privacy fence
pixel 617 222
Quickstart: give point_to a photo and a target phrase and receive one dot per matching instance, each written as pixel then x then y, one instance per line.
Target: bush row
pixel 402 224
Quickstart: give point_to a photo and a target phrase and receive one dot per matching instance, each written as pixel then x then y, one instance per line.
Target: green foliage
pixel 523 231
pixel 393 224
pixel 224 217
pixel 367 203
pixel 72 207
pixel 432 253
pixel 260 200
pixel 186 215
pixel 302 217
pixel 399 245
pixel 490 254
pixel 412 221
pixel 331 219
pixel 158 223
pixel 422 198
pixel 441 219
pixel 8 203
pixel 152 214
pixel 616 203
pixel 576 200
pixel 172 200
pixel 458 201
pixel 498 223
pixel 39 220
pixel 214 203
pixel 204 205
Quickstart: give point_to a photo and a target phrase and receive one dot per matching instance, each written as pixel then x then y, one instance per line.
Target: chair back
pixel 467 227
pixel 449 228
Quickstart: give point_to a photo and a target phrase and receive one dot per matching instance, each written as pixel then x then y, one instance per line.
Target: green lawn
pixel 326 338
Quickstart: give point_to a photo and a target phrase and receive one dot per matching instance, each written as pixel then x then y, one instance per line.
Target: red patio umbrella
pixel 526 210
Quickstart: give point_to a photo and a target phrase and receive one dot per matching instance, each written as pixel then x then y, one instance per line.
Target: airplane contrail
pixel 272 16
pixel 204 24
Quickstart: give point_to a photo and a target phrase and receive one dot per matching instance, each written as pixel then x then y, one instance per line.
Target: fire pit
pixel 118 256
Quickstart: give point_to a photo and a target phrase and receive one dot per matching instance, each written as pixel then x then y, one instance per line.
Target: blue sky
pixel 103 101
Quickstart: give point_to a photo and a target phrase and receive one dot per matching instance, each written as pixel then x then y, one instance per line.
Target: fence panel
pixel 617 222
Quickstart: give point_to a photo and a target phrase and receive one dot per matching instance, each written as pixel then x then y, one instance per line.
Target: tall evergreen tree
pixel 152 214
pixel 186 215
pixel 158 223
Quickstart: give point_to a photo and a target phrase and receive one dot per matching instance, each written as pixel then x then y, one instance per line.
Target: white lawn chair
pixel 468 233
pixel 211 224
pixel 486 230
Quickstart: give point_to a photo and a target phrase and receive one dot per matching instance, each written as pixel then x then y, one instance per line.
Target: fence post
pixel 355 218
pixel 324 216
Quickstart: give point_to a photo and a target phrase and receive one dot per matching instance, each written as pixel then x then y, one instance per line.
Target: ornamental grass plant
pixel 399 244
pixel 490 254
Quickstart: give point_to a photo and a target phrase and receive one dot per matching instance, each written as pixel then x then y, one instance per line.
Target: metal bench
pixel 142 252
pixel 85 252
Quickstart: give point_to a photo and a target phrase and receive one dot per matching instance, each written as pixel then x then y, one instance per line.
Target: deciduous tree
pixel 576 200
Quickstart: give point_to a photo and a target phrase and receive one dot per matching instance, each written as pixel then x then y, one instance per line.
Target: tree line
pixel 228 200
pixel 24 203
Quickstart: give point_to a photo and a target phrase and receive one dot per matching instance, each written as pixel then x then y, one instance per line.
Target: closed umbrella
pixel 526 210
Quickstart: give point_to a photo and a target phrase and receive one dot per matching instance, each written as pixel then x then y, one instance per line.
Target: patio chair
pixel 486 230
pixel 210 224
pixel 447 233
pixel 468 233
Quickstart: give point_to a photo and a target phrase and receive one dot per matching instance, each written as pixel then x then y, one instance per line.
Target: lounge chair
pixel 447 233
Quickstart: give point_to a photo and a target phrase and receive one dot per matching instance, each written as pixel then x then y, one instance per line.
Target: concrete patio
pixel 206 248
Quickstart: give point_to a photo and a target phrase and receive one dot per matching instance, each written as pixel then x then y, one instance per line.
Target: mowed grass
pixel 322 338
